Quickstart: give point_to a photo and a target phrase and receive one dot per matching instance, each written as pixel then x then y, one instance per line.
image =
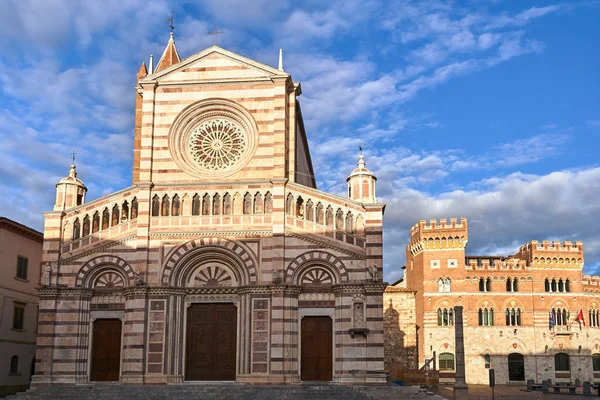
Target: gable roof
pixel 266 69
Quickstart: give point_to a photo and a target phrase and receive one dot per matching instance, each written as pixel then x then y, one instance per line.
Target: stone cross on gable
pixel 216 32
pixel 73 154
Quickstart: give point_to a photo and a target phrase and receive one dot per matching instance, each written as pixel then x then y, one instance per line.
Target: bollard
pixel 587 389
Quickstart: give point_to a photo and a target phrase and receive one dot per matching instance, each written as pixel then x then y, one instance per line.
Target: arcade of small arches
pixel 207 204
pixel 559 262
pixel 557 285
pixel 103 219
pixel 437 243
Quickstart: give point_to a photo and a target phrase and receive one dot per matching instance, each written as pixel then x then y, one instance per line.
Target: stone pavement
pixel 508 392
pixel 224 392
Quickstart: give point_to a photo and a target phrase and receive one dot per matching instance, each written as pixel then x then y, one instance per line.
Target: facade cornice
pixel 21 230
pixel 354 288
pixel 266 233
pixel 324 244
pixel 233 184
pixel 112 243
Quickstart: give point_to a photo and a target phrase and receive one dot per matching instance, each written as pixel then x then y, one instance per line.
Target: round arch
pixel 94 268
pixel 313 259
pixel 189 256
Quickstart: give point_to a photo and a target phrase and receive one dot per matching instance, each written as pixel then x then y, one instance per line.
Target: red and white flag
pixel 580 318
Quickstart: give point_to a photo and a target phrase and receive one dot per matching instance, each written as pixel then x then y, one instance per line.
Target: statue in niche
pixel 373 271
pixel 137 278
pixel 47 275
pixel 277 277
pixel 359 315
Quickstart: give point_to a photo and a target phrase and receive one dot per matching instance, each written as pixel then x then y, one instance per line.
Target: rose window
pixel 217 144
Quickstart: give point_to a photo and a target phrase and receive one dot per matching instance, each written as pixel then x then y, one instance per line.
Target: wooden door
pixel 106 350
pixel 211 342
pixel 316 349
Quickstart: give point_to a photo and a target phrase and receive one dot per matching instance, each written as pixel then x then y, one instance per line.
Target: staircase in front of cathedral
pixel 223 392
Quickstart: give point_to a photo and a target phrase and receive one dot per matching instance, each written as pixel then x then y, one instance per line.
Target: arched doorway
pixel 516 367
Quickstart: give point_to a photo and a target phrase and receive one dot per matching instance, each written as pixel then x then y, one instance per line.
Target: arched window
pixel 247 203
pixel 349 223
pixel 86 226
pixel 481 285
pixel 446 362
pixel 440 285
pixel 176 206
pixel 206 205
pixel 96 222
pixel 513 316
pixel 339 220
pixel 486 316
pixel 515 286
pixel 568 285
pixel 596 362
pixel 447 285
pixel 227 204
pixel 300 207
pixel 310 211
pixel 114 219
pixel 134 208
pixel 509 285
pixel 439 316
pixel 268 203
pixel 164 209
pixel 289 204
pixel 216 204
pixel 105 218
pixel 329 217
pixel 487 359
pixel 319 214
pixel 488 285
pixel 125 211
pixel 14 365
pixel 561 285
pixel 196 205
pixel 76 229
pixel 258 203
pixel 554 286
pixel 445 317
pixel 547 285
pixel 155 206
pixel 561 362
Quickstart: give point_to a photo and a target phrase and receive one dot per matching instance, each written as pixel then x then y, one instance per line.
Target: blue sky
pixel 488 110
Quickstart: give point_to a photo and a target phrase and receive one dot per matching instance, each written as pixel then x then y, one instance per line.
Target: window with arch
pixel 96 222
pixel 86 226
pixel 554 286
pixel 561 285
pixel 594 313
pixel 289 204
pixel 176 206
pixel 349 223
pixel 268 203
pixel 300 207
pixel 14 364
pixel 247 203
pixel 114 219
pixel 155 206
pixel 486 316
pixel 567 285
pixel 547 285
pixel 164 209
pixel 513 316
pixel 76 229
pixel 319 214
pixel 206 204
pixel 134 208
pixel 227 204
pixel 561 362
pixel 560 316
pixel 512 284
pixel 339 220
pixel 310 211
pixel 258 204
pixel 445 317
pixel 105 218
pixel 216 204
pixel 196 204
pixel 125 211
pixel 446 362
pixel 485 284
pixel 596 362
pixel 329 217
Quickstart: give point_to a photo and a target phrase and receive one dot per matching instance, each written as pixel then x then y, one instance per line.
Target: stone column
pixel 461 390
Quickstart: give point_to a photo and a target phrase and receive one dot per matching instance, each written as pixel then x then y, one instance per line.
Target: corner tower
pixel 70 191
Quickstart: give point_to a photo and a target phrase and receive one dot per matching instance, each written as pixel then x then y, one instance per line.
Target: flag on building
pixel 580 318
pixel 552 319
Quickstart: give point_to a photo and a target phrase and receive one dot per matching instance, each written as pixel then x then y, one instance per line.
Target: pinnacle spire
pixel 280 60
pixel 169 57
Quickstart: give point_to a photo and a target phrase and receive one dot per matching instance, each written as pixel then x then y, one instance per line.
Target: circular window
pixel 217 144
pixel 213 138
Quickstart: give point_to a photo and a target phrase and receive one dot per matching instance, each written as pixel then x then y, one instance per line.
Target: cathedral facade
pixel 222 261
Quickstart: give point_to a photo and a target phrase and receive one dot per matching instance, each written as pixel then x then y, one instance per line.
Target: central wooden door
pixel 211 342
pixel 316 349
pixel 106 350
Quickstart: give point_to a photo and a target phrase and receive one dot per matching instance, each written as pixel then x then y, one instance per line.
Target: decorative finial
pixel 170 22
pixel 280 60
pixel 216 32
pixel 151 65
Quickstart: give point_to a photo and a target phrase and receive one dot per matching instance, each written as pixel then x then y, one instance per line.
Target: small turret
pixel 70 191
pixel 361 183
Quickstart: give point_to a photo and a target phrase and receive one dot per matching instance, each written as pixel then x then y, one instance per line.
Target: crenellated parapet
pixel 495 263
pixel 591 280
pixel 552 254
pixel 438 235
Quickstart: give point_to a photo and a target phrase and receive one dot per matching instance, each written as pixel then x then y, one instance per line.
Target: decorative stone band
pixel 354 288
